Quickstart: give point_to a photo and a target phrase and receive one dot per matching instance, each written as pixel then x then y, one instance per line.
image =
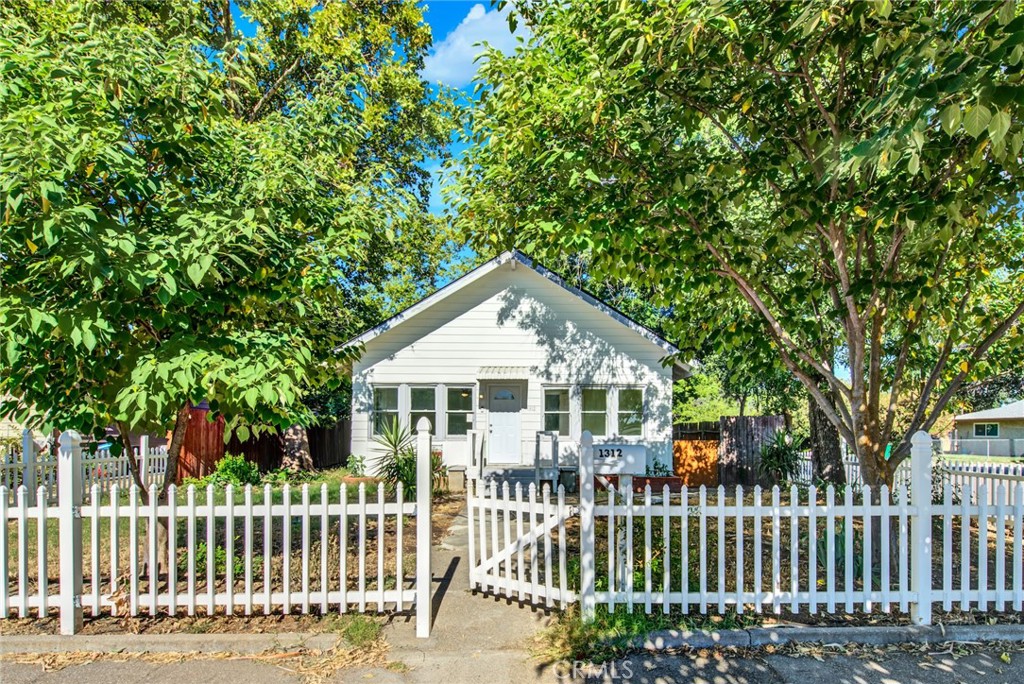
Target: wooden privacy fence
pixel 711 550
pixel 230 550
pixel 739 447
pixel 100 469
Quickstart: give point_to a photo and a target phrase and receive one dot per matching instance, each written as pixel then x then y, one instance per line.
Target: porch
pixel 550 466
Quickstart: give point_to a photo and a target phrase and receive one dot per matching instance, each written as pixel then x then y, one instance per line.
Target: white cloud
pixel 452 61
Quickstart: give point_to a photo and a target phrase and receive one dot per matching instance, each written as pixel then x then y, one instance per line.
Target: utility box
pixel 457 479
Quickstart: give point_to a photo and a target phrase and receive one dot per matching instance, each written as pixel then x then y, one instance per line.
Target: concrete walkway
pixel 475 637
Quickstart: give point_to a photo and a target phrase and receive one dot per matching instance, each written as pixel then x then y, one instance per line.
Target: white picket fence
pixel 34 470
pixel 224 550
pixel 713 550
pixel 965 476
pixel 851 464
pixel 987 447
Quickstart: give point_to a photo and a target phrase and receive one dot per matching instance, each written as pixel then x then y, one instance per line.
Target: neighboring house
pixel 513 360
pixel 995 432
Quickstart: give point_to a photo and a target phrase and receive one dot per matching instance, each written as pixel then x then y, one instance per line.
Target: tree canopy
pixel 850 171
pixel 194 214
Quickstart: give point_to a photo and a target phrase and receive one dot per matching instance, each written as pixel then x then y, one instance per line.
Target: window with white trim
pixel 458 410
pixel 986 429
pixel 594 411
pixel 631 412
pixel 385 408
pixel 556 411
pixel 423 404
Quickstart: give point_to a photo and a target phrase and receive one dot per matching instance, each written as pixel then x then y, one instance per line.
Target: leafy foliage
pixel 192 214
pixel 844 178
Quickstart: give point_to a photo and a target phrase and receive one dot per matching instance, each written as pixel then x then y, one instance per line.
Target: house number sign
pixel 620 459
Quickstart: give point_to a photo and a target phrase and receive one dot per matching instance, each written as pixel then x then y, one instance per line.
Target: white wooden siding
pixel 513 318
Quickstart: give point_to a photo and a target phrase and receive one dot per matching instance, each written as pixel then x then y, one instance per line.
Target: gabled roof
pixel 1006 412
pixel 495 263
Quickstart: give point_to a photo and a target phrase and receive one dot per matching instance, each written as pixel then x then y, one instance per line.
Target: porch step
pixel 513 476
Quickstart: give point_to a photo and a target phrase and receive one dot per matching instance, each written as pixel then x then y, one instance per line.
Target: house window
pixel 631 412
pixel 423 404
pixel 556 411
pixel 986 429
pixel 595 411
pixel 460 407
pixel 385 408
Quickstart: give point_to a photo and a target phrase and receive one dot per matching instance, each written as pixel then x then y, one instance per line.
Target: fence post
pixel 921 534
pixel 69 492
pixel 28 466
pixel 424 493
pixel 144 459
pixel 588 599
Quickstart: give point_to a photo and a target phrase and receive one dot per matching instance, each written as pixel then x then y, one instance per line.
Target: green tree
pixel 839 166
pixel 190 213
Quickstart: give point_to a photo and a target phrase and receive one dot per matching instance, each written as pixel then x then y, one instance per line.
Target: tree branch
pixel 273 89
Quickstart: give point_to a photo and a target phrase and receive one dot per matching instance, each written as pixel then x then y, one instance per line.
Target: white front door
pixel 505 403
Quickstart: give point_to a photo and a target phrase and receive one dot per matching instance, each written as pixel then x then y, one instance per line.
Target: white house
pixel 510 364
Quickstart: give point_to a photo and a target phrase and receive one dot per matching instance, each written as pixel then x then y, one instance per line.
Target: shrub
pixel 234 469
pixel 780 459
pixel 398 464
pixel 356 465
pixel 658 469
pixel 438 472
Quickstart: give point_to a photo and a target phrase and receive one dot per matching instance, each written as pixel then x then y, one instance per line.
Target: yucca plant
pixel 780 459
pixel 398 463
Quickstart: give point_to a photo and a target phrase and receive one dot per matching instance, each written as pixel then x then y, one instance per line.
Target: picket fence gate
pixel 760 551
pixel 262 553
pixel 522 543
pixel 101 469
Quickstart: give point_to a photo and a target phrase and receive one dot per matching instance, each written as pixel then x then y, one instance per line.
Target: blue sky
pixel 460 28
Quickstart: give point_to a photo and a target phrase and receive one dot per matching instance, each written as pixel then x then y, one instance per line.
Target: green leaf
pixel 951 118
pixel 195 273
pixel 89 338
pixel 976 120
pixel 999 126
pixel 914 165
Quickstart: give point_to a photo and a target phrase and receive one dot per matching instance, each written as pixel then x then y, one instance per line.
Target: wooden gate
pixel 518 543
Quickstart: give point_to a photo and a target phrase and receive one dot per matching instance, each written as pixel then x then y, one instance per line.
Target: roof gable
pixel 515 258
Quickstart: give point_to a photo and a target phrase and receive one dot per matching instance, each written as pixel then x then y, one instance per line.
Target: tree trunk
pixel 826 451
pixel 170 477
pixel 295 444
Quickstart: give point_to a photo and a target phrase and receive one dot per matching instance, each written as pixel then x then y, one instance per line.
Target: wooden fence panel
pixel 329 444
pixel 696 461
pixel 739 449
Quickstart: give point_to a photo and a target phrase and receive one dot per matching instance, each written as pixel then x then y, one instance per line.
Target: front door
pixel 505 403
